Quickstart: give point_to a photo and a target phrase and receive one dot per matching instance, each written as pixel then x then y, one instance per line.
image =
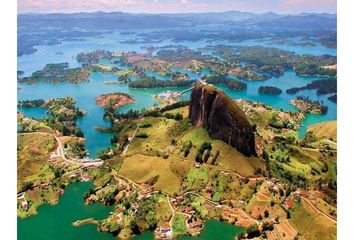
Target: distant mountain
pixel 304 21
pixel 117 20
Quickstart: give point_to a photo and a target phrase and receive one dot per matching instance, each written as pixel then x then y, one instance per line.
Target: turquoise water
pixel 86 93
pixel 55 222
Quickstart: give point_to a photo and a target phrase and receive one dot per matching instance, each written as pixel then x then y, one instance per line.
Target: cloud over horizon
pixel 177 6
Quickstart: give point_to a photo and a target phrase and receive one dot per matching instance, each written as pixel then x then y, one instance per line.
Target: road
pixel 60 152
pixel 132 138
pixel 318 210
pixel 173 214
pixel 127 179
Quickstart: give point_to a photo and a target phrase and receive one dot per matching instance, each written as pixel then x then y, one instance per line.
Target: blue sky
pixel 175 6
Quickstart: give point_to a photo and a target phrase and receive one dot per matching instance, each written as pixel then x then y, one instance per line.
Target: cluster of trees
pixel 181 54
pixel 177 116
pixel 314 104
pixel 179 76
pixel 63 114
pixel 314 65
pixel 203 152
pixel 273 62
pixel 146 213
pixel 58 72
pixel 152 82
pixel 174 106
pixel 89 58
pixel 111 114
pixel 294 179
pixel 236 85
pixel 261 56
pixel 142 135
pixel 269 90
pixel 322 87
pixel 186 148
pixel 217 79
pixel 31 103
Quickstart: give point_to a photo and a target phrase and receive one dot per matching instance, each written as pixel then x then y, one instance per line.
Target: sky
pixel 177 6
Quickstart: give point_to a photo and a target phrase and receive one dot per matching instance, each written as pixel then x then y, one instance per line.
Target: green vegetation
pixel 93 57
pixel 236 85
pixel 269 90
pixel 179 226
pixel 33 151
pixel 322 87
pixel 58 72
pixel 315 65
pixel 31 103
pixel 149 82
pixel 306 105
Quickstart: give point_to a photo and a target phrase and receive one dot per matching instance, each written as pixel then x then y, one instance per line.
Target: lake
pixel 54 222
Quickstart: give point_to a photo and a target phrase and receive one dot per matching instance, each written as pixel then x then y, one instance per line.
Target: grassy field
pixel 157 139
pixel 183 110
pixel 229 157
pixel 32 157
pixel 163 210
pixel 142 168
pixel 325 129
pixel 179 226
pixel 311 224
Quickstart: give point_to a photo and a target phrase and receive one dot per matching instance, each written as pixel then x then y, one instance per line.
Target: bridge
pixel 201 80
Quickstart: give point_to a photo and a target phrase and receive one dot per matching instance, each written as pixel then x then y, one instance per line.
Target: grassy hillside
pixel 325 129
pixel 32 157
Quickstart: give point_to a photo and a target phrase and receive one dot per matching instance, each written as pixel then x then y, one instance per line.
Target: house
pixel 289 204
pixel 163 232
pixel 196 224
pixel 24 205
pixel 85 178
pixel 304 194
pixel 44 185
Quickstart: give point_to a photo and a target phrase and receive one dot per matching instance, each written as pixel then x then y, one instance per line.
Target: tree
pixel 288 214
pixel 266 213
pixel 252 231
pixel 178 117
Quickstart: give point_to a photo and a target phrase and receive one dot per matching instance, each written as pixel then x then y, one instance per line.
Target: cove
pixel 54 222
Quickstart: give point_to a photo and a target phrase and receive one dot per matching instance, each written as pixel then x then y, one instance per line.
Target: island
pixel 114 100
pixel 236 85
pixel 306 105
pixel 322 87
pixel 58 72
pixel 269 90
pixel 150 82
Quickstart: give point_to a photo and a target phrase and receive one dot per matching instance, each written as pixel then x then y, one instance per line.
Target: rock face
pixel 222 118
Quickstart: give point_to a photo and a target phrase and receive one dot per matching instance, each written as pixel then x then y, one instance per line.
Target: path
pixel 173 214
pixel 318 210
pixel 60 152
pixel 132 138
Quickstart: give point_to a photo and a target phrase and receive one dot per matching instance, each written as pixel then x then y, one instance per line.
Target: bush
pixel 142 135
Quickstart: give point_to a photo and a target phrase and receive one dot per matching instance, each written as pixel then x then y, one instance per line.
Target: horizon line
pixel 160 13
